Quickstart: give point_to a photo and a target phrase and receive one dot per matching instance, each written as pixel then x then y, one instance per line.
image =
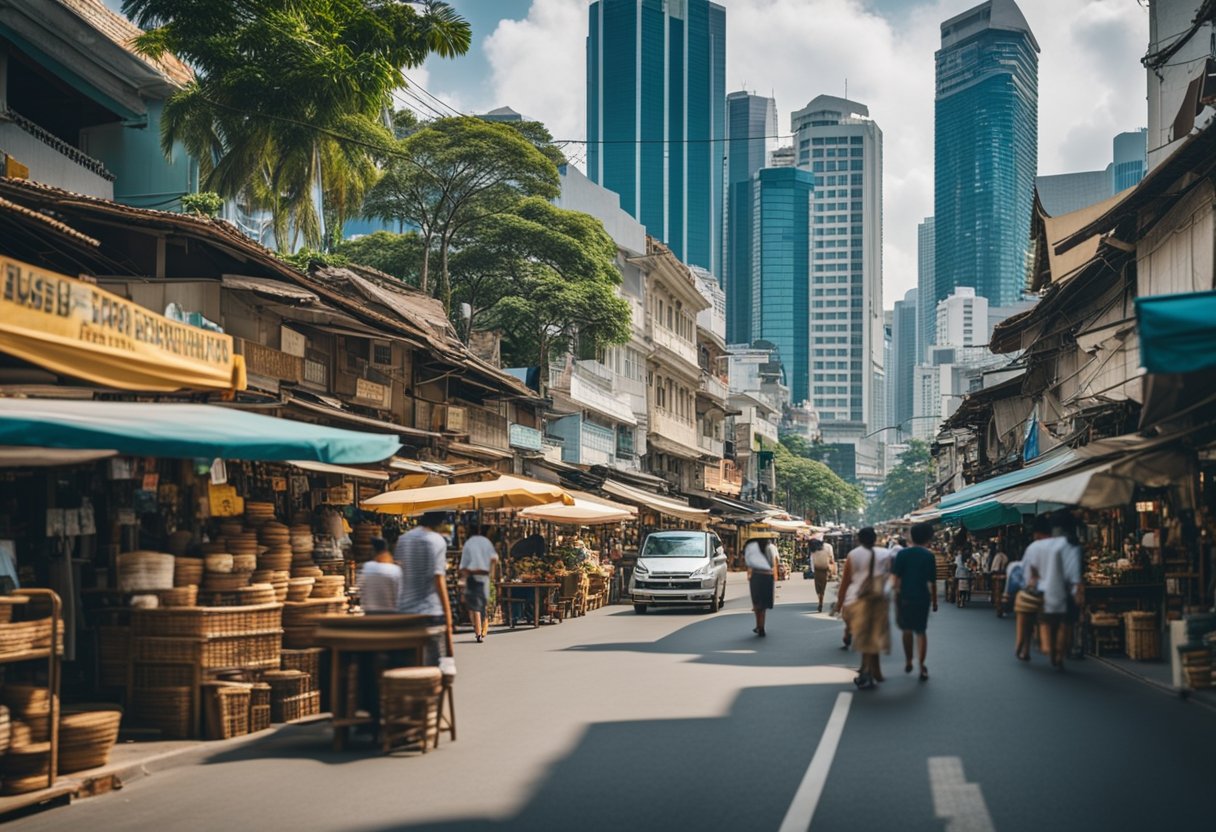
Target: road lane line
pixel 806 799
pixel 955 800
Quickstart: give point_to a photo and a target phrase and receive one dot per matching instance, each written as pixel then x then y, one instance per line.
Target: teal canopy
pixel 988 487
pixel 183 431
pixel 1177 332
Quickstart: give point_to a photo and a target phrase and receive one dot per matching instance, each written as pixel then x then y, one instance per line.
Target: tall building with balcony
pixel 781 277
pixel 985 152
pixel 751 128
pixel 841 146
pixel 81 110
pixel 656 118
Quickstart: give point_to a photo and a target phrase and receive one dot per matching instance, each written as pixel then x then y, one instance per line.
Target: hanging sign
pixel 224 501
pixel 340 495
pixel 75 328
pixel 278 483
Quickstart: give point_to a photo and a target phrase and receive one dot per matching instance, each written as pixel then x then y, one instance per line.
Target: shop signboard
pixel 267 361
pixel 340 495
pixel 75 328
pixel 224 501
pixel 293 343
pixel 372 393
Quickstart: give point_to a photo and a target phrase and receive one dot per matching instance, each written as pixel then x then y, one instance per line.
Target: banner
pixel 73 328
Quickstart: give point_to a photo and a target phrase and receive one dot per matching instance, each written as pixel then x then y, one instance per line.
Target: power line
pixel 434 98
pixel 675 141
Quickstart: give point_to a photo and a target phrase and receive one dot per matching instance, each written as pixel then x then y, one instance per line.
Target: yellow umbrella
pixel 580 513
pixel 504 492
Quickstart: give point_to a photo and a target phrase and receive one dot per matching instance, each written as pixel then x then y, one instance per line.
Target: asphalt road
pixel 684 720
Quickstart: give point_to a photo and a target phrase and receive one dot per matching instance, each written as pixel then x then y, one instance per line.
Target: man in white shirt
pixel 379 581
pixel 1053 567
pixel 477 561
pixel 422 554
pixel 821 567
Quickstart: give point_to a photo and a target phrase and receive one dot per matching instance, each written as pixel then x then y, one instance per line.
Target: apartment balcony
pixel 709 446
pixel 666 426
pixel 724 478
pixel 713 388
pixel 51 160
pixel 587 389
pixel 666 339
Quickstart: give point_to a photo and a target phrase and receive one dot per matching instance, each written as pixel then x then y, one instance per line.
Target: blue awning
pixel 1023 475
pixel 183 431
pixel 1177 332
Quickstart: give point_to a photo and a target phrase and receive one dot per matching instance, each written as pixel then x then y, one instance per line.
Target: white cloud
pixel 1091 85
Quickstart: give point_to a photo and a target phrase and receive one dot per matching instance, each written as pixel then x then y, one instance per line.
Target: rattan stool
pixel 409 706
pixel 447 710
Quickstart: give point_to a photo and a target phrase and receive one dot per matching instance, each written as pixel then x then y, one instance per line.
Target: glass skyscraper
pixel 901 369
pixel 656 118
pixel 926 248
pixel 781 261
pixel 986 152
pixel 751 122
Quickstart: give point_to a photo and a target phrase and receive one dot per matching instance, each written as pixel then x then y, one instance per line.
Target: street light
pixel 898 427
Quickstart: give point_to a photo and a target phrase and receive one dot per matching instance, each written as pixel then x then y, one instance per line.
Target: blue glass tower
pixel 656 118
pixel 986 152
pixel 1131 160
pixel 750 120
pixel 781 266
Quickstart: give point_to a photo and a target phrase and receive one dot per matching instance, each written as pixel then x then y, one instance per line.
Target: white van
pixel 679 568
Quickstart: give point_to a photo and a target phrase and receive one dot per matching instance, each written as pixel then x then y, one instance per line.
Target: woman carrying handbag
pixel 863 590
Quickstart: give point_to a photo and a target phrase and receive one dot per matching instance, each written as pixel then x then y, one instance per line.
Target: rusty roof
pixel 123 33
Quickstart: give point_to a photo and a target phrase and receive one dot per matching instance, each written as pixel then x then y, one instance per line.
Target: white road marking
pixel 955 800
pixel 806 799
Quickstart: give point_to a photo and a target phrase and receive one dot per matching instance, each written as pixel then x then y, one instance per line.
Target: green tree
pixel 814 489
pixel 905 484
pixel 397 254
pixel 289 96
pixel 453 175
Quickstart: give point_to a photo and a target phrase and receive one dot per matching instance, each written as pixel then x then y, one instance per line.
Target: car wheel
pixel 640 609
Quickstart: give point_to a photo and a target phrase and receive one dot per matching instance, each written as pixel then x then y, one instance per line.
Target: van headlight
pixel 704 572
pixel 640 568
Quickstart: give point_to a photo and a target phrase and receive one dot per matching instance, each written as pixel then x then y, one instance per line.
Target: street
pixel 686 720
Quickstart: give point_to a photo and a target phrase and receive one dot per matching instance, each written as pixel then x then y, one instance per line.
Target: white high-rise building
pixel 962 319
pixel 837 141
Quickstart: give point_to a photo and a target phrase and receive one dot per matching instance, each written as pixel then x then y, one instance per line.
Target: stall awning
pixel 341 470
pixel 413 466
pixel 48 457
pixel 183 431
pixel 582 513
pixel 504 492
pixel 664 505
pixel 1177 332
pixel 991 486
pixel 736 509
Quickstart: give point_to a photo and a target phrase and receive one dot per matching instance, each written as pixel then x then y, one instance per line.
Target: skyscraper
pixel 842 147
pixel 781 260
pixel 751 122
pixel 986 151
pixel 925 286
pixel 1131 159
pixel 901 369
pixel 656 117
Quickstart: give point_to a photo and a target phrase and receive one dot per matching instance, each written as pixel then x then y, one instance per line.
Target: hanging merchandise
pixel 219 472
pixel 224 501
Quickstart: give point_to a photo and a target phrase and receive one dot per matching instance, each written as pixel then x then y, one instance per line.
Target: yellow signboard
pixel 73 328
pixel 224 501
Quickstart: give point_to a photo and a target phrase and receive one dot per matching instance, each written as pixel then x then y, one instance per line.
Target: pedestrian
pixel 996 578
pixel 1020 585
pixel 864 605
pixel 760 557
pixel 422 554
pixel 1055 569
pixel 379 580
pixel 962 581
pixel 821 568
pixel 915 576
pixel 477 561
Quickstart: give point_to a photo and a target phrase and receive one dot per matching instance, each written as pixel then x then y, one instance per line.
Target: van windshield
pixel 691 545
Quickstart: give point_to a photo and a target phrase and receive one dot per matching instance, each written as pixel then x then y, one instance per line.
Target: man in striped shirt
pixel 422 554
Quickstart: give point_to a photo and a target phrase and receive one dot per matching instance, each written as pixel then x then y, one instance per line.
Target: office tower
pixel 656 118
pixel 901 369
pixel 1130 159
pixel 781 259
pixel 925 287
pixel 986 152
pixel 783 157
pixel 838 142
pixel 751 122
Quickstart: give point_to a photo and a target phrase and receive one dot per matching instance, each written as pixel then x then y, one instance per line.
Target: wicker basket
pixel 6 733
pixel 139 571
pixel 206 622
pixel 259 695
pixel 249 651
pixel 1142 637
pixel 295 707
pixel 166 709
pixel 307 660
pixel 308 570
pixel 220 563
pixel 259 717
pixel 180 596
pixel 17 637
pixel 225 582
pixel 277 561
pixel 226 707
pixel 299 589
pixel 86 737
pixel 26 768
pixel 285 684
pixel 25 699
pixel 329 586
pixel 188 571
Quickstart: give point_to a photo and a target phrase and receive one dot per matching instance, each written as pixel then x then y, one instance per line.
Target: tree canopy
pixel 814 489
pixel 904 486
pixel 288 98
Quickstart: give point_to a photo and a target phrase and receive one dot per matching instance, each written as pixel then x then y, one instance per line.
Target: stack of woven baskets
pixel 257 513
pixel 227 709
pixel 25 766
pixel 292 695
pixel 1141 636
pixel 362 538
pixel 86 736
pixel 298 624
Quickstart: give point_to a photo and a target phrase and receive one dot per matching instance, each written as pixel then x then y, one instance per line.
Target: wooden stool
pixel 447 710
pixel 410 700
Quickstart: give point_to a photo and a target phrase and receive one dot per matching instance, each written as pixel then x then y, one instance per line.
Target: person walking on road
pixel 1054 566
pixel 863 590
pixel 760 558
pixel 422 554
pixel 915 576
pixel 1020 586
pixel 477 560
pixel 379 581
pixel 821 567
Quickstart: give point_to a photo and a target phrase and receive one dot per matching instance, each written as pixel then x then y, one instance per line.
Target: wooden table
pixel 535 586
pixel 347 636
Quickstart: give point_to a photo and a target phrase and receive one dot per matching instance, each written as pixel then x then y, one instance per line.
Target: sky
pixel 530 54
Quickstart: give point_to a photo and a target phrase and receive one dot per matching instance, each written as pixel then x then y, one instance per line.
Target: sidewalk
pixel 1158 675
pixel 129 762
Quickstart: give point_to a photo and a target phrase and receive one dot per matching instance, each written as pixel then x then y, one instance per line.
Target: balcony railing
pixel 595 371
pixel 673 429
pixel 593 396
pixel 51 160
pixel 668 340
pixel 709 445
pixel 714 387
pixel 723 478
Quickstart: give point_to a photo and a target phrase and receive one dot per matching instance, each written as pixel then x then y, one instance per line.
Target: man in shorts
pixel 915 571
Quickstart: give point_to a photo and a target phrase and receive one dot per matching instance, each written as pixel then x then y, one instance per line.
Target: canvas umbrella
pixel 580 513
pixel 504 492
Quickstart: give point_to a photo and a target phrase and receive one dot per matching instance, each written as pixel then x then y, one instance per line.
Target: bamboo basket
pixel 180 596
pixel 329 586
pixel 166 709
pixel 206 622
pixel 285 684
pixel 188 571
pixel 259 717
pixel 5 729
pixel 307 660
pixel 86 737
pixel 248 651
pixel 1141 636
pixel 226 710
pixel 295 707
pixel 141 570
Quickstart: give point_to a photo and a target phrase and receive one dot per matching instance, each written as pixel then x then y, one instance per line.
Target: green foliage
pixel 306 258
pixel 290 95
pixel 905 484
pixel 204 203
pixel 452 176
pixel 397 254
pixel 813 488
